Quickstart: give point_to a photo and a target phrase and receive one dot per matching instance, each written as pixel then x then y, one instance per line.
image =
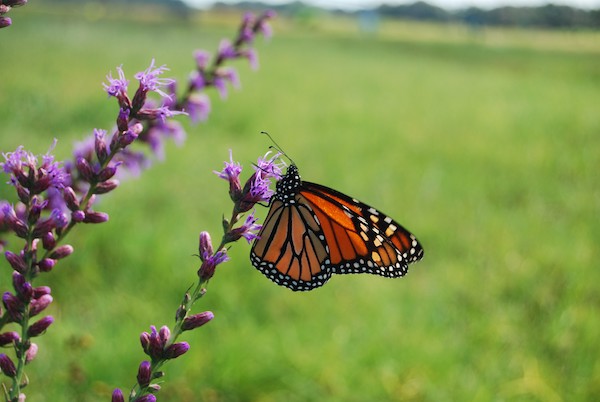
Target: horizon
pixel 446 4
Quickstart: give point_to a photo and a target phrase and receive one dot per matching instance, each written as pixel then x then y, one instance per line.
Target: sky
pixel 448 4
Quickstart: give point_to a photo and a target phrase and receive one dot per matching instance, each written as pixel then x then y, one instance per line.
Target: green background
pixel 483 143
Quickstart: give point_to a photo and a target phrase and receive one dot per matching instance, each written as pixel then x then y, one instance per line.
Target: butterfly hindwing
pixel 292 255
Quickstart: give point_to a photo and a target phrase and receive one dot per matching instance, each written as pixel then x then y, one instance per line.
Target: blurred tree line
pixel 546 16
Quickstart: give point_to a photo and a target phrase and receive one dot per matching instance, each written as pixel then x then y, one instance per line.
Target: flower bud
pixel 38 305
pixel 95 217
pixel 144 374
pixel 123 120
pixel 14 307
pixel 106 186
pixel 46 264
pixel 197 320
pixel 7 366
pixel 107 172
pixel 164 334
pixel 84 169
pixel 38 327
pixel 62 252
pixel 205 248
pixel 23 193
pixel 8 338
pixel 147 398
pixel 22 287
pixel 100 145
pixel 70 198
pixel 176 350
pixel 117 396
pixel 31 353
pixel 13 222
pixel 16 261
pixel 78 216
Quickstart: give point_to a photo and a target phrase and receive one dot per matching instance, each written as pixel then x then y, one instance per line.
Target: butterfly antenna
pixel 276 146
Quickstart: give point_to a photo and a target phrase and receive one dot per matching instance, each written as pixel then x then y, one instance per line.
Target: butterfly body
pixel 312 232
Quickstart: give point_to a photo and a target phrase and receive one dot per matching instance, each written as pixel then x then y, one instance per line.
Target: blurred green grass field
pixel 485 144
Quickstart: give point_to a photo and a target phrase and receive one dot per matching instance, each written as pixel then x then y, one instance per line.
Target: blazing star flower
pixel 231 172
pixel 116 86
pixel 226 50
pixel 48 174
pixel 248 230
pixel 198 106
pixel 149 80
pixel 268 168
pixel 202 57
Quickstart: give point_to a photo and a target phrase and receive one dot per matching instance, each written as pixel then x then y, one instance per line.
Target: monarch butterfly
pixel 312 231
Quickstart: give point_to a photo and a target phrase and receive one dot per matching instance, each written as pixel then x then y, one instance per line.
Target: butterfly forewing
pixel 364 239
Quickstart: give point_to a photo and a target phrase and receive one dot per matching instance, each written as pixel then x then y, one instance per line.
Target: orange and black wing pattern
pixel 312 232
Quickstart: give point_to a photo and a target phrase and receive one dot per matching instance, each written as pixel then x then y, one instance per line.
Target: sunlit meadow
pixel 485 144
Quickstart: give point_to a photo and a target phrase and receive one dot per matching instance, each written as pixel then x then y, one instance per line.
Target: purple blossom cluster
pixel 53 197
pixel 161 345
pixel 5 7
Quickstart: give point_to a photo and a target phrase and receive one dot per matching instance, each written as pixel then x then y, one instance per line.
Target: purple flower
pixel 226 50
pixel 149 80
pixel 210 262
pixel 198 107
pixel 248 230
pixel 116 86
pixel 268 167
pixel 262 24
pixel 146 398
pixel 202 57
pixel 231 172
pixel 38 178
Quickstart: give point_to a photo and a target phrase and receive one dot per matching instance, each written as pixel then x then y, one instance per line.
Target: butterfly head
pixel 288 186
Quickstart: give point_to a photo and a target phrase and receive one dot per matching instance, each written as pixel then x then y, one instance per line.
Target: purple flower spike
pixel 147 398
pixel 117 396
